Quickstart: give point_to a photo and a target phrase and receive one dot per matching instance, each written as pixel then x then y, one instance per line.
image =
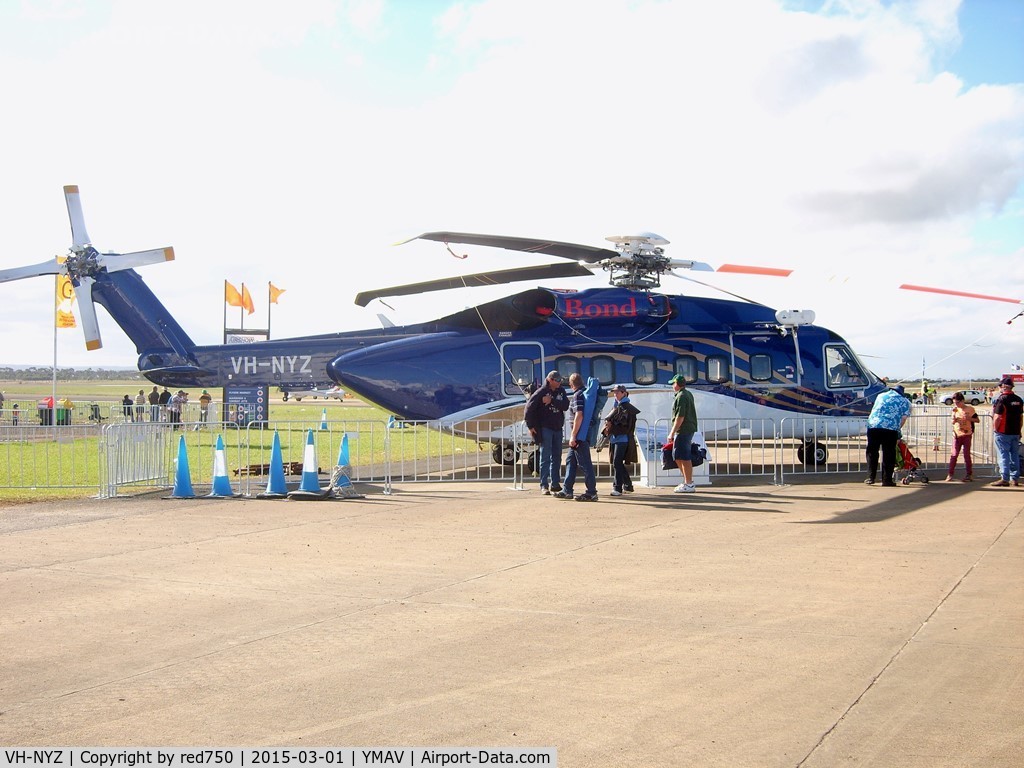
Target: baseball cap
pixel 554 376
pixel 619 388
pixel 1006 382
pixel 677 379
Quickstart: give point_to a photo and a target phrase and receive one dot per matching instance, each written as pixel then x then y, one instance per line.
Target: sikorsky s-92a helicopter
pixel 748 364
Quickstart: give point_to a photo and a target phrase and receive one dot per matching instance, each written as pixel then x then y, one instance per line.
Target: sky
pixel 864 144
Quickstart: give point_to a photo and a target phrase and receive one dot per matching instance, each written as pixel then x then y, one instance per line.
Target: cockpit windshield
pixel 842 369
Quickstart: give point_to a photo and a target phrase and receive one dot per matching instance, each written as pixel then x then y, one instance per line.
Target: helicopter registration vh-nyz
pixel 748 365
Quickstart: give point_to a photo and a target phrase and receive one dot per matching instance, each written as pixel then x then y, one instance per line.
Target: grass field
pixel 65 461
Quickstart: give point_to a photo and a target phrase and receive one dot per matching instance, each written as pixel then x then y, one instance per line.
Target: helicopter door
pixel 764 362
pixel 521 367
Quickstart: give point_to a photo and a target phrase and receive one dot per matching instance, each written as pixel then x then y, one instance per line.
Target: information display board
pixel 245 405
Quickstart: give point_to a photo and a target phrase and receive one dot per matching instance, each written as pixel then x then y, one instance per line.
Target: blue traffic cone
pixel 323 420
pixel 182 479
pixel 341 483
pixel 343 460
pixel 309 488
pixel 277 488
pixel 221 483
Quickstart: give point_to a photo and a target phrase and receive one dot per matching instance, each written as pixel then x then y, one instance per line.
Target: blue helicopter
pixel 748 365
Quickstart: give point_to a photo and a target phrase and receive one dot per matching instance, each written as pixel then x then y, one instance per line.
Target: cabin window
pixel 602 368
pixel 760 367
pixel 686 366
pixel 645 370
pixel 520 376
pixel 717 369
pixel 842 369
pixel 567 366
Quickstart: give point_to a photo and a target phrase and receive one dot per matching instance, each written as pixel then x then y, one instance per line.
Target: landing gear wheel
pixel 285 397
pixel 812 452
pixel 504 453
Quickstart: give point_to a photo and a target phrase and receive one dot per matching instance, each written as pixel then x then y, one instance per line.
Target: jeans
pixel 1008 453
pixel 550 457
pixel 885 439
pixel 620 477
pixel 961 442
pixel 579 457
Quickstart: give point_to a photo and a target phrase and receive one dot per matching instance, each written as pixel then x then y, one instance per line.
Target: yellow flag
pixel 275 293
pixel 65 297
pixel 247 300
pixel 231 295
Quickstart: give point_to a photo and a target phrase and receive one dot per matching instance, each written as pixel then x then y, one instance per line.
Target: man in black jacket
pixel 545 419
pixel 1007 413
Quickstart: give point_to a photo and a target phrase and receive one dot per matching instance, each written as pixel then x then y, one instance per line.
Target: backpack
pixel 595 398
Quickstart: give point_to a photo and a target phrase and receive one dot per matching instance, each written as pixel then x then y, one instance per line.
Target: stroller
pixel 908 466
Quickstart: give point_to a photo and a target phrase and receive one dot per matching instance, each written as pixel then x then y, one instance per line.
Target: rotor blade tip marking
pixel 742 269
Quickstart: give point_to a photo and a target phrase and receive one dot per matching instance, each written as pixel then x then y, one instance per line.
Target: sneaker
pixel 689 488
pixel 615 493
pixel 628 490
pixel 949 478
pixel 1015 483
pixel 869 481
pixel 555 487
pixel 544 491
pixel 681 488
pixel 967 479
pixel 1000 483
pixel 587 497
pixel 561 495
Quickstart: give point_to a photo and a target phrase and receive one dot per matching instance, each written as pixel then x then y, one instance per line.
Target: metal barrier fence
pixel 136 456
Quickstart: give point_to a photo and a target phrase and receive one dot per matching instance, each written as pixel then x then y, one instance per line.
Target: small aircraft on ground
pixel 751 368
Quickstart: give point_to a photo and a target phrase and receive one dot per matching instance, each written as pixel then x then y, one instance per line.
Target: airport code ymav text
pixel 354 757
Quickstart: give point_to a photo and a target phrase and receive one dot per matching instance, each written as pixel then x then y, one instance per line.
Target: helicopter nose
pixel 424 377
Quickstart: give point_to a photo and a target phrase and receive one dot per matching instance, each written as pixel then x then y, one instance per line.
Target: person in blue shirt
pixel 579 447
pixel 888 415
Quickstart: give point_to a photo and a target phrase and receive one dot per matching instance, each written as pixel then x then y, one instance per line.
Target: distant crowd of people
pixel 162 406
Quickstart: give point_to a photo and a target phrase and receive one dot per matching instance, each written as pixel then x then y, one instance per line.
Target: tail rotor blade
pixel 79 236
pixel 50 267
pixel 115 262
pixel 87 311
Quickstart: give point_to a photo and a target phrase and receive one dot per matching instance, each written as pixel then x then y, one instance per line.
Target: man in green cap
pixel 684 425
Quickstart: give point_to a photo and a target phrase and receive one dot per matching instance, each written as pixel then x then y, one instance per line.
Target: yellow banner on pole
pixel 65 297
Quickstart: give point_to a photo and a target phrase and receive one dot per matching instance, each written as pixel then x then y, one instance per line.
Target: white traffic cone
pixel 221 483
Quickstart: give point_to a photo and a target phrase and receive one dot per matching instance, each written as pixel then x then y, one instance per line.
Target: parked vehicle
pixel 971 396
pixel 336 393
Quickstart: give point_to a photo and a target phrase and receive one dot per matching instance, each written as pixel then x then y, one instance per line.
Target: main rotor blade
pixel 947 292
pixel 78 234
pixel 115 262
pixel 545 272
pixel 572 251
pixel 50 267
pixel 87 311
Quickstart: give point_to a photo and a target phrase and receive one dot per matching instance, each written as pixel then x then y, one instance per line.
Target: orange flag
pixel 231 295
pixel 247 300
pixel 275 293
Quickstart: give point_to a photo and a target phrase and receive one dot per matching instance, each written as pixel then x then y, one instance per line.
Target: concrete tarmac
pixel 745 625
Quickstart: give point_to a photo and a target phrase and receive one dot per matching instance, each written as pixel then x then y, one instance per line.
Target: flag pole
pixel 241 311
pixel 224 298
pixel 53 383
pixel 269 307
